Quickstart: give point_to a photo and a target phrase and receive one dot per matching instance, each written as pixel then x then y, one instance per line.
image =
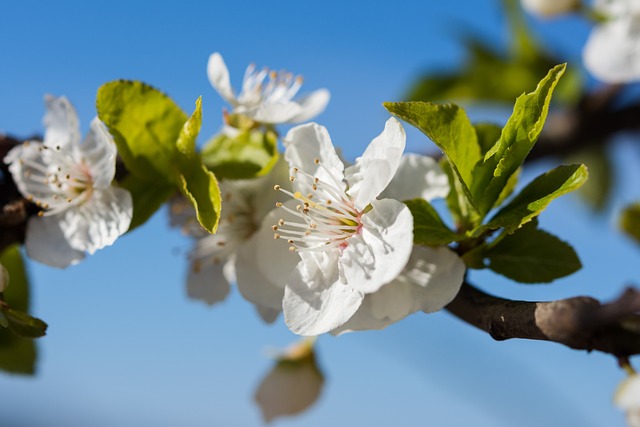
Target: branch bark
pixel 581 323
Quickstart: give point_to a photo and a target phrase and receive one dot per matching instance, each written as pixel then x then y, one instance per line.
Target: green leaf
pixel 186 144
pixel 531 255
pixel 516 141
pixel 428 227
pixel 198 184
pixel 630 221
pixel 247 155
pixel 145 124
pixel 536 196
pixel 17 355
pixel 24 325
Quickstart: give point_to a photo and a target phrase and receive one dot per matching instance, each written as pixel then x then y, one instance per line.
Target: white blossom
pixel 627 398
pixel 349 264
pixel 267 96
pixel 213 258
pixel 71 183
pixel 612 51
pixel 350 243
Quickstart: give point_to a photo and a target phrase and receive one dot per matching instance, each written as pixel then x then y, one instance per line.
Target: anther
pixel 276 236
pixel 278 204
pixel 316 161
pixel 274 227
pixel 281 222
pixel 221 243
pixel 276 187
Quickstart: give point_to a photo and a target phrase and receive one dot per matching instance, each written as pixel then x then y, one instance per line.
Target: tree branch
pixel 581 323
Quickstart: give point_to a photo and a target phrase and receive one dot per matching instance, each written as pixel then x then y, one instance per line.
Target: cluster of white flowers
pixel 71 182
pixel 338 255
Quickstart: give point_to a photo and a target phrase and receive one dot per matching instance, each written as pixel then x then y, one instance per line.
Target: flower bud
pixel 547 8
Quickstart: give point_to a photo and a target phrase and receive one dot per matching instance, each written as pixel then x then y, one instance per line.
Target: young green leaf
pixel 488 134
pixel 246 155
pixel 428 227
pixel 531 255
pixel 198 184
pixel 630 221
pixel 536 196
pixel 145 124
pixel 518 138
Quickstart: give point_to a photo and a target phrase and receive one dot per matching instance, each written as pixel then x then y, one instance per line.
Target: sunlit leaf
pixel 536 196
pixel 518 138
pixel 198 184
pixel 145 123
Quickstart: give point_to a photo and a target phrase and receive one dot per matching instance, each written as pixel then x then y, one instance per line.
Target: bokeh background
pixel 125 347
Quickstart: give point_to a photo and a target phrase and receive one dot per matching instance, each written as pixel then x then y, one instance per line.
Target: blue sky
pixel 126 347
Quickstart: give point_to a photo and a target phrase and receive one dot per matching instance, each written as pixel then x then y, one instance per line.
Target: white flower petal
pixel 380 252
pixel 26 164
pixel 373 171
pixel 264 264
pixel 98 222
pixel 207 282
pixel 417 177
pixel 311 105
pixel 430 280
pixel 219 77
pixel 315 301
pixel 253 284
pixel 46 243
pixel 307 143
pixel 627 398
pixel 61 123
pixel 273 113
pixel 100 151
pixel 612 51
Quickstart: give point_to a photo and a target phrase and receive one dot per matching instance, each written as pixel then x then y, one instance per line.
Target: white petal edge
pixel 311 105
pixel 417 176
pixel 62 128
pixel 306 143
pixel 380 252
pixel 46 243
pixel 315 301
pixel 218 74
pixel 100 151
pixel 377 166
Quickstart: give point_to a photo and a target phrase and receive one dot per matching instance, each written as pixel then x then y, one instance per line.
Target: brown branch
pixel 581 323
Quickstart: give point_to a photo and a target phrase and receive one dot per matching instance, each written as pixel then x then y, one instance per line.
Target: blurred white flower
pixel 71 182
pixel 292 385
pixel 266 96
pixel 627 398
pixel 550 7
pixel 612 51
pixel 213 259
